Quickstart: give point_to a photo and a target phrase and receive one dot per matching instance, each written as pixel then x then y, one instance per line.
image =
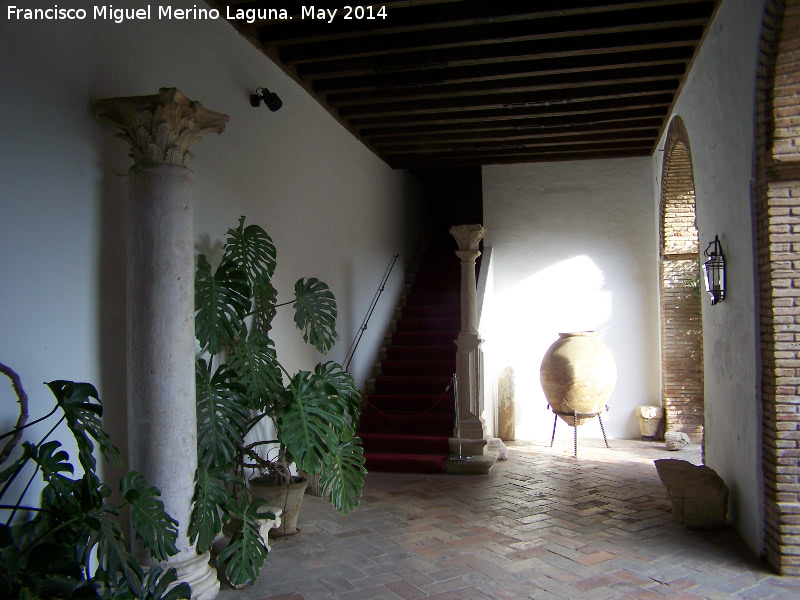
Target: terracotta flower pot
pixel 578 372
pixel 287 497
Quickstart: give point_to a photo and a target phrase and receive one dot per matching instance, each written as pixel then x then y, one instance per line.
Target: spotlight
pixel 270 99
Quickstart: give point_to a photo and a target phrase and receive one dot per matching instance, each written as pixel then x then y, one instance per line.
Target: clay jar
pixel 578 372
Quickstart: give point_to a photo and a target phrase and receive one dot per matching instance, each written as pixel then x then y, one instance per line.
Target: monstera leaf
pixel 52 462
pixel 153 526
pixel 221 302
pixel 221 414
pixel 343 475
pixel 82 410
pixel 315 313
pixel 246 553
pixel 347 395
pixel 256 366
pixel 251 250
pixel 210 497
pixel 264 297
pixel 309 423
pixel 158 584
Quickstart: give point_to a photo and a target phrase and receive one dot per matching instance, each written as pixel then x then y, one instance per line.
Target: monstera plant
pixel 69 544
pixel 240 382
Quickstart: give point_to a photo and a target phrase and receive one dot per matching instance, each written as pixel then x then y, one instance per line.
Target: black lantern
pixel 271 100
pixel 714 271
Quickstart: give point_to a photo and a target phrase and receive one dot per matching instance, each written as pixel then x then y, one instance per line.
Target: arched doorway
pixel 681 318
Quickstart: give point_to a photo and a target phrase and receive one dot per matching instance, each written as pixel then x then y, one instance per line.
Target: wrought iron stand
pixel 576 415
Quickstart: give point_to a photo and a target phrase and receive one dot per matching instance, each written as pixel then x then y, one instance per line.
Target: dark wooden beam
pixel 651 19
pixel 468 56
pixel 526 84
pixel 506 70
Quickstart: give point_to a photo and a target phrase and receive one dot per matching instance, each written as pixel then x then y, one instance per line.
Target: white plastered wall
pixel 571 245
pixel 334 210
pixel 717 105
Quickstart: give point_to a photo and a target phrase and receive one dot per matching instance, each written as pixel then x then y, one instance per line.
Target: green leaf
pixel 115 563
pixel 153 526
pixel 53 462
pixel 246 553
pixel 347 393
pixel 315 313
pixel 343 475
pixel 251 250
pixel 221 302
pixel 256 366
pixel 309 422
pixel 210 496
pixel 83 409
pixel 222 414
pixel 9 471
pixel 157 582
pixel 265 297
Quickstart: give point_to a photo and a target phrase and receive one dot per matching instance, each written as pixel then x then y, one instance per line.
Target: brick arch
pixel 681 317
pixel 778 227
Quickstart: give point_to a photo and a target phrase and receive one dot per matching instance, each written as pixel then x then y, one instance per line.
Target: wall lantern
pixel 271 100
pixel 714 271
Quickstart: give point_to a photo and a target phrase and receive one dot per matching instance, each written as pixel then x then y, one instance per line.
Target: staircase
pixel 409 417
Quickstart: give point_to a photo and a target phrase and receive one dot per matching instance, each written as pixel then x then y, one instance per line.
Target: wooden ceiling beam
pixel 500 134
pixel 387 18
pixel 468 56
pixel 443 145
pixel 587 110
pixel 529 83
pixel 498 33
pixel 507 70
pixel 649 115
pixel 531 100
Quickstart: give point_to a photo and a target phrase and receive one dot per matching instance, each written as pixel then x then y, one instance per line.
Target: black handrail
pixel 381 286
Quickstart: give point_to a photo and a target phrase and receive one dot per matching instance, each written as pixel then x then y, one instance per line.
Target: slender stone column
pixel 469 367
pixel 162 426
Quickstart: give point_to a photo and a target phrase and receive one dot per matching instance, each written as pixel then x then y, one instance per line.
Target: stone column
pixel 469 366
pixel 162 426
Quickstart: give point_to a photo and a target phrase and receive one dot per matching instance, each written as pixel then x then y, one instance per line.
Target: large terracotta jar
pixel 578 372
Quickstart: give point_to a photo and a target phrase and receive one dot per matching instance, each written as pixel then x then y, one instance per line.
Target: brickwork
pixel 681 317
pixel 778 223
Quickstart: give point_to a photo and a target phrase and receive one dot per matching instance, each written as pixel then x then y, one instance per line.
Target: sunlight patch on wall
pixel 567 296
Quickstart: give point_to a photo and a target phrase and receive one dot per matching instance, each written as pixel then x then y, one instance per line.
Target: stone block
pixel 676 440
pixel 698 495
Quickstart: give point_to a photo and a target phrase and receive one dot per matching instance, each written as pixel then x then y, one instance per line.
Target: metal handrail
pixel 370 310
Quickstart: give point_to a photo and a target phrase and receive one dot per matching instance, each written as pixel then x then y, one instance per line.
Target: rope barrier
pixel 407 417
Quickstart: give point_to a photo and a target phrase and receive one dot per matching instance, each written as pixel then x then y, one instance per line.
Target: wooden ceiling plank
pixel 446 143
pixel 542 99
pixel 508 70
pixel 421 165
pixel 514 133
pixel 529 83
pixel 493 33
pixel 586 109
pixel 467 56
pixel 299 29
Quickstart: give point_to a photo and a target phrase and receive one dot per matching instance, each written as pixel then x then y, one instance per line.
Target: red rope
pixel 406 417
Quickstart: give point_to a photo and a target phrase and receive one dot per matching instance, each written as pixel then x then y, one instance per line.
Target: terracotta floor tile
pixel 540 526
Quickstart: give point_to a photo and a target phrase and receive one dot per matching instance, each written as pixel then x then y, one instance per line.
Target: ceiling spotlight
pixel 270 99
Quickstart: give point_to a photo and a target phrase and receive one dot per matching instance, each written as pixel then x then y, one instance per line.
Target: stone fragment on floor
pixel 698 495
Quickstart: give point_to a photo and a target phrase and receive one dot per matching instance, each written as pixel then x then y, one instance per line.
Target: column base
pixel 195 570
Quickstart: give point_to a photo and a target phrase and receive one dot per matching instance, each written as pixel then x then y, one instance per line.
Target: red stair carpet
pixel 409 417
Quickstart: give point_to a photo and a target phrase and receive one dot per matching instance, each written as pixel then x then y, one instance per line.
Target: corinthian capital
pixel 467 236
pixel 160 128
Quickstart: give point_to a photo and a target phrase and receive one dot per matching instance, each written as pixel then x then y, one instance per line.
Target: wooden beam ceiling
pixel 441 83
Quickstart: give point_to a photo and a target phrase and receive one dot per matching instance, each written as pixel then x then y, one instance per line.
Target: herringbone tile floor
pixel 541 525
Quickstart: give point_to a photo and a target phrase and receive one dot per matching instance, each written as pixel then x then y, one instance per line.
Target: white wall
pixel 572 251
pixel 334 210
pixel 717 106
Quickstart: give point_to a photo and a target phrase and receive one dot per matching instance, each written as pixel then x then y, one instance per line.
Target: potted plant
pixel 241 383
pixel 69 544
